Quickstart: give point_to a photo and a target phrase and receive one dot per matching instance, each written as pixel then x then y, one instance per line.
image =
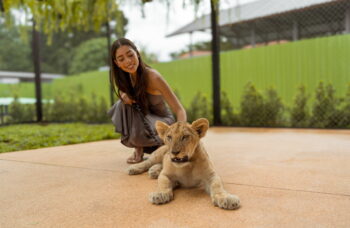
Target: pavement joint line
pixel 65 166
pixel 289 189
pixel 114 171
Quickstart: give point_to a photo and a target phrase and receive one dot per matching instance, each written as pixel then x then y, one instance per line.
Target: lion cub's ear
pixel 200 126
pixel 161 128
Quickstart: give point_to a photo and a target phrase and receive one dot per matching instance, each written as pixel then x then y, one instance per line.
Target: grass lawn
pixel 32 136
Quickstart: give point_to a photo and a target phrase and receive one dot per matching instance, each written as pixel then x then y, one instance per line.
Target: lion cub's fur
pixel 183 161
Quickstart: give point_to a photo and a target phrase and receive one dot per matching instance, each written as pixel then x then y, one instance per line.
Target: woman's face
pixel 127 59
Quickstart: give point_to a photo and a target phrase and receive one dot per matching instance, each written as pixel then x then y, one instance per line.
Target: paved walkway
pixel 284 178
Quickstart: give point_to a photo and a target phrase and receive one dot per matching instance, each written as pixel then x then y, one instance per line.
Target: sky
pixel 150 32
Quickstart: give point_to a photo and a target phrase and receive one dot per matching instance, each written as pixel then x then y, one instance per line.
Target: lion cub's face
pixel 182 138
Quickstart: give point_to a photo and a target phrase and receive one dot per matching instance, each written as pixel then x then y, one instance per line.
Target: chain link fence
pixel 270 22
pixel 294 77
pixel 267 22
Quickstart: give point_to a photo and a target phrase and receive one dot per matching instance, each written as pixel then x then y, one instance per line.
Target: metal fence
pixel 288 66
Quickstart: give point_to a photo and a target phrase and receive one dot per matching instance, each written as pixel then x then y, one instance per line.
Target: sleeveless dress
pixel 137 129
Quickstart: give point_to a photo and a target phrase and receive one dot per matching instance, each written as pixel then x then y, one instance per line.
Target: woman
pixel 142 91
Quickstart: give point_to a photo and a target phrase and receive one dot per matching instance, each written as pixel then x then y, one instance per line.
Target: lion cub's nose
pixel 175 152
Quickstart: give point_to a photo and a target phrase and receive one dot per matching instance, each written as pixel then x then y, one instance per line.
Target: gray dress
pixel 137 129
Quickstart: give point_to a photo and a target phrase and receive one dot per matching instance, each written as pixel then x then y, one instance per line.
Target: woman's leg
pixel 137 156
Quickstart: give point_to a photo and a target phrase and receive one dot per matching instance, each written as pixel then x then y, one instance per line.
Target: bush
pixel 21 113
pixel 346 109
pixel 228 117
pixel 90 55
pixel 61 110
pixel 300 115
pixel 326 112
pixel 71 108
pixel 273 109
pixel 252 107
pixel 256 110
pixel 199 108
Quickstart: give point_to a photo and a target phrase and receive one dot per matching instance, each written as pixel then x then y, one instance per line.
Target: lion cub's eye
pixel 184 137
pixel 169 137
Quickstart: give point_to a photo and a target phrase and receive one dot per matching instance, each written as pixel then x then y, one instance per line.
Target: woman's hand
pixel 126 100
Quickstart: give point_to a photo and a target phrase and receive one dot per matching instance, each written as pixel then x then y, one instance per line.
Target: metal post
pixel 36 61
pixel 2 114
pixel 108 35
pixel 191 45
pixel 252 36
pixel 215 61
pixel 295 31
pixel 347 20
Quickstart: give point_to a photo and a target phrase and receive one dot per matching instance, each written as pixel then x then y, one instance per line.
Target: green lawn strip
pixel 33 136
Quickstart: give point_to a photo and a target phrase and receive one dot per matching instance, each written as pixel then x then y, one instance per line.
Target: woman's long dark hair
pixel 121 81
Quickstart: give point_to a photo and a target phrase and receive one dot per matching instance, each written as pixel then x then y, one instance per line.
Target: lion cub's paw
pixel 154 171
pixel 226 201
pixel 134 170
pixel 160 197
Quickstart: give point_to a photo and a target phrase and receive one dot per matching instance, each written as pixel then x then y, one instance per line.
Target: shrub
pixel 199 108
pixel 300 115
pixel 326 112
pixel 252 107
pixel 21 113
pixel 273 109
pixel 90 55
pixel 60 110
pixel 228 117
pixel 346 109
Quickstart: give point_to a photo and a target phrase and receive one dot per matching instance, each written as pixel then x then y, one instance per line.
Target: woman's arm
pixel 158 83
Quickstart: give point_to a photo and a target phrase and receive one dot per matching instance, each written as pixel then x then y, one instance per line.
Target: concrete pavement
pixel 284 178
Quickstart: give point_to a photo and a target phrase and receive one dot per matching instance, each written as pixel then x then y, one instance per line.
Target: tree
pixel 63 15
pixel 90 55
pixel 15 54
pixel 147 56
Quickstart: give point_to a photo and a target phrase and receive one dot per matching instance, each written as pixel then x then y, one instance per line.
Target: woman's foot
pixel 137 156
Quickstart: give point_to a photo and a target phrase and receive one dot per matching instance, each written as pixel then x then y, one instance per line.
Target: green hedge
pixel 323 109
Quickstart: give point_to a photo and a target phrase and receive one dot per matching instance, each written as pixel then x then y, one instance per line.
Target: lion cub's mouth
pixel 180 160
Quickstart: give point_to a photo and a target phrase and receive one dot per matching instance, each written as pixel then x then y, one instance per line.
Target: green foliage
pixel 76 108
pixel 300 115
pixel 346 109
pixel 325 112
pixel 228 117
pixel 21 113
pixel 32 136
pixel 62 15
pixel 199 108
pixel 147 56
pixel 89 56
pixel 252 107
pixel 58 57
pixel 259 111
pixel 273 109
pixel 72 107
pixel 15 55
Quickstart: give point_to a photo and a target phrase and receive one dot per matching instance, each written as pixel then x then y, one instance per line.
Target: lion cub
pixel 183 161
